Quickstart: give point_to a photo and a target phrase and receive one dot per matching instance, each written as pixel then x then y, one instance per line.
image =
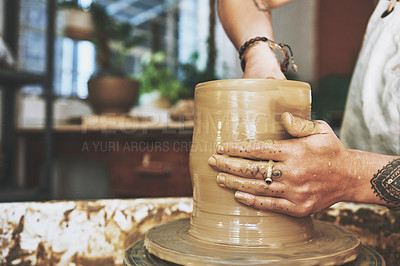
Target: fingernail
pixel 244 198
pixel 220 148
pixel 220 178
pixel 212 161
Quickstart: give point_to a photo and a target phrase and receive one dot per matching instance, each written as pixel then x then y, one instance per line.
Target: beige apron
pixel 372 116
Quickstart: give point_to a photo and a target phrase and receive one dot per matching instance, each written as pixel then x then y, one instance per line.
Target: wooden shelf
pixel 17 77
pixel 10 81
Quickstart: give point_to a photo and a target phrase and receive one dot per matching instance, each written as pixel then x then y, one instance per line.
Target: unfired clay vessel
pixel 237 110
pixel 223 231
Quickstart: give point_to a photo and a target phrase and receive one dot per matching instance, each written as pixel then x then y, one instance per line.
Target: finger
pixel 245 168
pixel 253 186
pixel 299 127
pixel 257 149
pixel 280 205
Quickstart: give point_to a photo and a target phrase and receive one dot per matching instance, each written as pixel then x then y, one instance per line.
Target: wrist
pixel 361 169
pixel 346 169
pixel 262 62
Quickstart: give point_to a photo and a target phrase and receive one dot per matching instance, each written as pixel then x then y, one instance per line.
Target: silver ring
pixel 268 180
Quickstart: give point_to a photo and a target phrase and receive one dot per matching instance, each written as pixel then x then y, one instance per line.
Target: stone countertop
pixel 80 232
pixel 98 232
pixel 377 226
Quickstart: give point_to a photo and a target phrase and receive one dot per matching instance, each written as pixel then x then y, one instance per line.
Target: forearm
pixel 242 21
pixel 375 178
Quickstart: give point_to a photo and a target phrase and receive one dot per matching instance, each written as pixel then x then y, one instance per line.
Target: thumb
pixel 299 127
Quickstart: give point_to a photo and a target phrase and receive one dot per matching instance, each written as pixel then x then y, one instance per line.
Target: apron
pixel 371 120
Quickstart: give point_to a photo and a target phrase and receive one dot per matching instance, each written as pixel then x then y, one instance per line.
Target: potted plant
pixel 179 92
pixel 110 89
pixel 75 20
pixel 157 77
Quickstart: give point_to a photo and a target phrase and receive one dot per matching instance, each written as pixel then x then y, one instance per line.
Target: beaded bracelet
pixel 284 48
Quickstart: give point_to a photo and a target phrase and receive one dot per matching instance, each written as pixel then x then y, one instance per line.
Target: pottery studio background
pixel 58 143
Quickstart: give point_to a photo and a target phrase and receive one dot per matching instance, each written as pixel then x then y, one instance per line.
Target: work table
pixel 98 232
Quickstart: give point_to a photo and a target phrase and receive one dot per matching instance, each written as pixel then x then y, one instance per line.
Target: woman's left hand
pixel 308 172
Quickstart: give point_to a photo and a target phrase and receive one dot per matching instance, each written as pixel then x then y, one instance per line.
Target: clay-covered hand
pixel 307 173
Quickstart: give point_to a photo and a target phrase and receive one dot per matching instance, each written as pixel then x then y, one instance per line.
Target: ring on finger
pixel 268 179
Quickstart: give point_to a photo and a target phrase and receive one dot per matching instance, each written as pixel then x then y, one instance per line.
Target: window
pixel 74 60
pixel 77 64
pixel 32 44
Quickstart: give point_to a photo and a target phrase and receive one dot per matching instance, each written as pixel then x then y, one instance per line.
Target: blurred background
pixel 97 96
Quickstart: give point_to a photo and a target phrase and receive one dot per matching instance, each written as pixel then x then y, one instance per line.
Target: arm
pixel 242 21
pixel 311 172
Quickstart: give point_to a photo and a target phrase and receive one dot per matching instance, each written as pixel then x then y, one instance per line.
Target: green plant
pixel 113 40
pixel 157 77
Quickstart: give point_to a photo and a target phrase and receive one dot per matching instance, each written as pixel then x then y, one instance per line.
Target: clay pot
pixel 222 231
pixel 112 95
pixel 77 24
pixel 237 110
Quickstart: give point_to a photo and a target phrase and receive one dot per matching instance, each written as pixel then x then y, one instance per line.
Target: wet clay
pixel 237 110
pixel 331 245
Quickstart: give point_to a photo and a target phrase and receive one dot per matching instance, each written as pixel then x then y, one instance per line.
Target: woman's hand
pixel 308 174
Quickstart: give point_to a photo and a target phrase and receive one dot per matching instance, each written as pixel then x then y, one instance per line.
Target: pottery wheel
pixel 331 245
pixel 138 255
